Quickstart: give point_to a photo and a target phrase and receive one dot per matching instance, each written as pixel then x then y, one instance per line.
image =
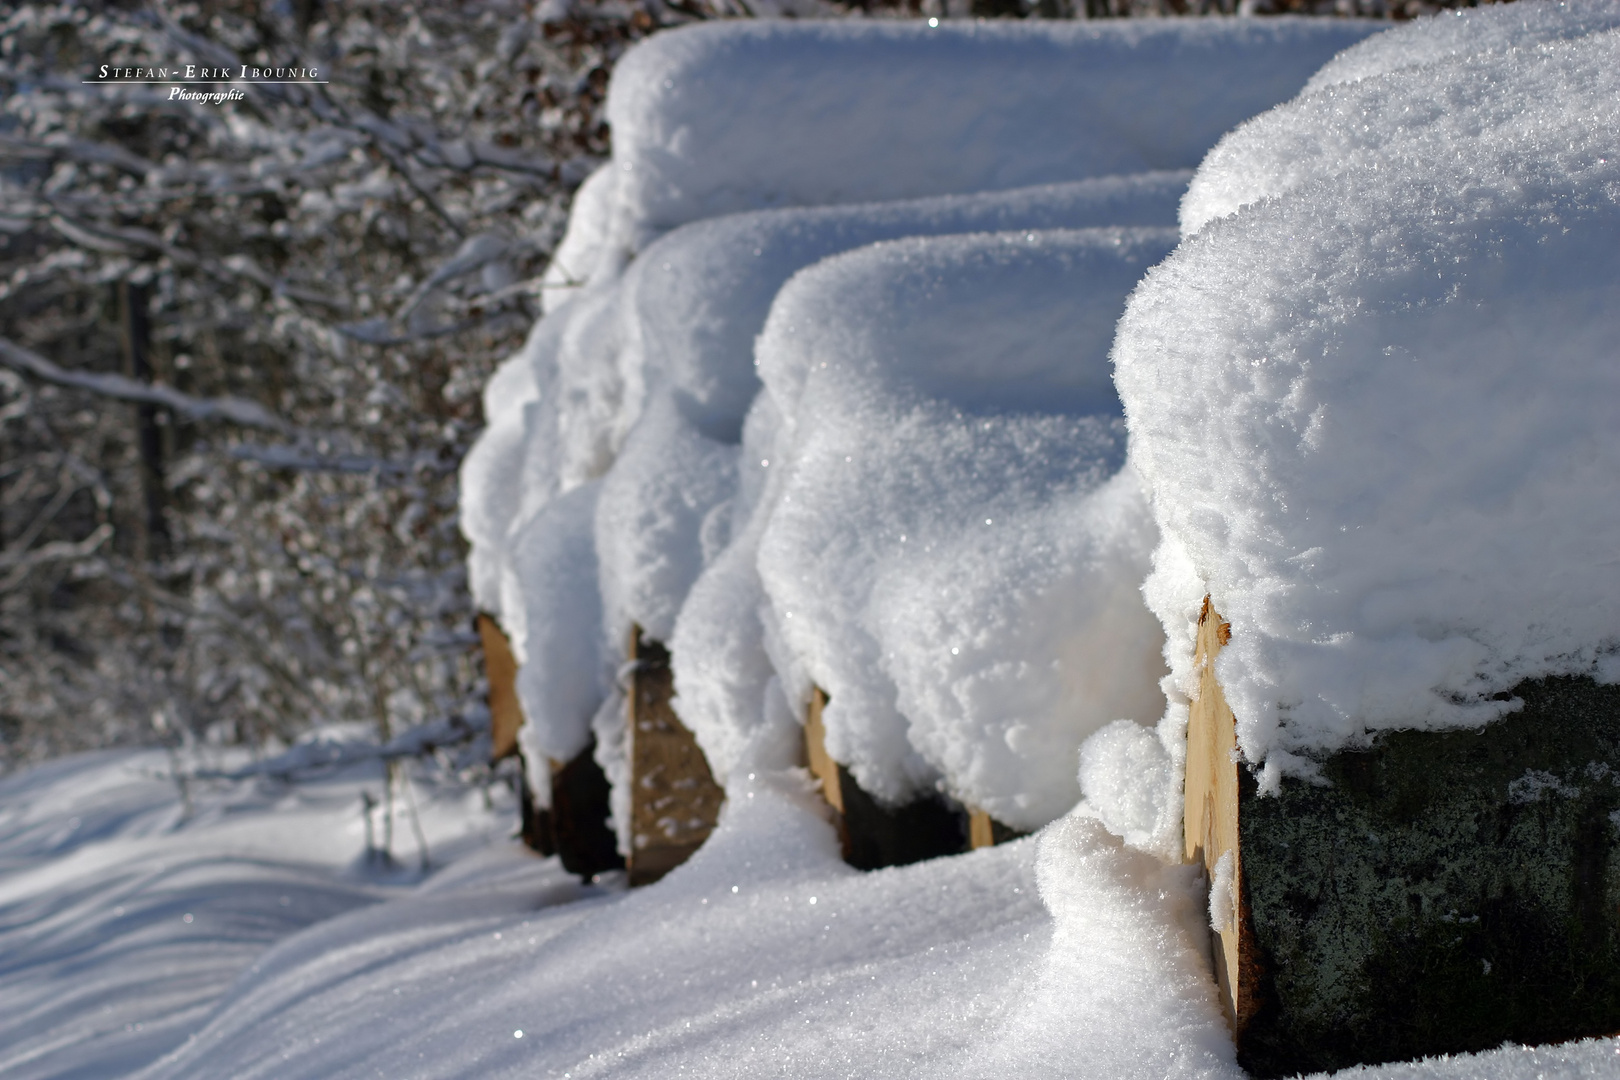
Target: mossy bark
pixel 1442 892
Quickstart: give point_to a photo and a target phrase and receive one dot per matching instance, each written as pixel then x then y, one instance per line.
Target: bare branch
pixel 21 562
pixel 301 460
pixel 81 150
pixel 130 241
pixel 319 756
pixel 232 410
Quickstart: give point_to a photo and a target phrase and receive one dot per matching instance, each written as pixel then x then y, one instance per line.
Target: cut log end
pixel 1441 892
pixel 674 800
pixel 821 764
pixel 985 831
pixel 1210 821
pixel 981 830
pixel 500 668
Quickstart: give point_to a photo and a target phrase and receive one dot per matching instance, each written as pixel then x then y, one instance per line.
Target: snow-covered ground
pixel 252 941
pixel 124 917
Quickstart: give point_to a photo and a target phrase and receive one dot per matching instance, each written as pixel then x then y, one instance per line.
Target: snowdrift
pixel 764 955
pixel 127 915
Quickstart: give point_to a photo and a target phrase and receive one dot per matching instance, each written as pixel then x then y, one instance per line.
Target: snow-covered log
pixel 1374 395
pixel 734 116
pixel 949 541
pixel 639 393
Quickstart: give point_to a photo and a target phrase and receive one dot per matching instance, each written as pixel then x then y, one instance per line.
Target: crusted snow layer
pixel 741 115
pixel 1377 412
pixel 938 531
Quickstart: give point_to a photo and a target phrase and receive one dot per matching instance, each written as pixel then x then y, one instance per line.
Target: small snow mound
pixel 1127 779
pixel 1124 989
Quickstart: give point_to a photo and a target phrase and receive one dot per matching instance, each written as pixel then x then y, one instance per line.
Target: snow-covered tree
pixel 242 347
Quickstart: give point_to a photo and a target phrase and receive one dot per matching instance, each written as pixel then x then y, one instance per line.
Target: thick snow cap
pixel 940 533
pixel 1378 402
pixel 722 117
pixel 679 328
pixel 743 115
pixel 694 301
pixel 1404 95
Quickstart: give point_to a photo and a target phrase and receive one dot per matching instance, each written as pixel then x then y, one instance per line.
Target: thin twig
pixel 232 410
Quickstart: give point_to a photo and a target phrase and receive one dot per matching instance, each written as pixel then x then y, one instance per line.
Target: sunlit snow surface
pixel 122 920
pixel 1065 955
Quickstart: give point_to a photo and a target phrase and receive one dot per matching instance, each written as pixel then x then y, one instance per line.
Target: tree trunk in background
pixel 151 533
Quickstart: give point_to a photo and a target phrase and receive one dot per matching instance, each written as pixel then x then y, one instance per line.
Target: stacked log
pixel 1438 892
pixel 674 800
pixel 874 835
pixel 573 823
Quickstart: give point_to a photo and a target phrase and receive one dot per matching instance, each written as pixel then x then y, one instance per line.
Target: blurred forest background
pixel 241 346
